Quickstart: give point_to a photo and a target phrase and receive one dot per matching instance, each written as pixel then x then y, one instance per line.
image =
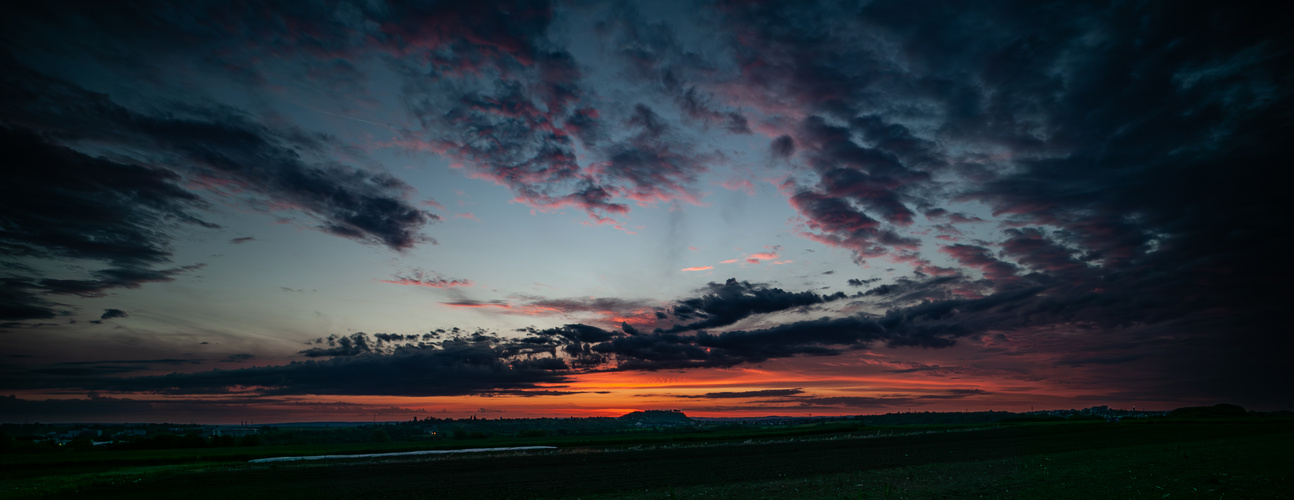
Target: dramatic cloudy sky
pixel 220 211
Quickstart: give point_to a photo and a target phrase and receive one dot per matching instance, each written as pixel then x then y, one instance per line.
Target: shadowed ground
pixel 1071 460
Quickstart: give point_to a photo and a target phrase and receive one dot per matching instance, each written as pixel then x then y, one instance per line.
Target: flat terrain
pixel 1069 460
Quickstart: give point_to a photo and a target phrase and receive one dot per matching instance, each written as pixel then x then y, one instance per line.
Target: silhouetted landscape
pixel 1195 452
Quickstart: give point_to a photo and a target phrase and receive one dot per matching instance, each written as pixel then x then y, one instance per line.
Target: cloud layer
pixel 1093 181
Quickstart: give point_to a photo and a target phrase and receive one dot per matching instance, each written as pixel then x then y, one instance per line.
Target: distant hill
pixel 1215 411
pixel 656 418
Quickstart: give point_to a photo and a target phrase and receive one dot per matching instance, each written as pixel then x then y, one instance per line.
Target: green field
pixel 1151 459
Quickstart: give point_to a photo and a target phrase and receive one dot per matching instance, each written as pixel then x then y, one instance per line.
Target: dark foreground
pixel 1087 460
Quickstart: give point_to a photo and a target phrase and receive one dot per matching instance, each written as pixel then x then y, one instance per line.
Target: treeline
pixel 1073 417
pixel 39 444
pixel 172 441
pixel 935 418
pixel 444 429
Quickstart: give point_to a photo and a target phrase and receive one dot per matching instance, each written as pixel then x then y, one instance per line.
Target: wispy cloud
pixel 430 279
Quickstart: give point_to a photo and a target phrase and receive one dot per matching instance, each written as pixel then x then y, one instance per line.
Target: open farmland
pixel 1191 459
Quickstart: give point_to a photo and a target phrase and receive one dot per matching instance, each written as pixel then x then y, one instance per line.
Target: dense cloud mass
pixel 123 206
pixel 220 149
pixel 985 170
pixel 734 300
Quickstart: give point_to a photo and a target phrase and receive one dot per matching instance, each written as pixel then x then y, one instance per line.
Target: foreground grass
pixel 88 462
pixel 43 474
pixel 1068 460
pixel 1246 467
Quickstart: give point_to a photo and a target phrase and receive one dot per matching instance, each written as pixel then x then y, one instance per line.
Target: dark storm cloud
pixel 1142 142
pixel 56 202
pixel 124 206
pixel 484 363
pixel 699 108
pixel 652 165
pixel 979 258
pixel 878 402
pixel 579 333
pixel 661 351
pixel 854 180
pixel 81 374
pixel 212 147
pixel 1131 150
pixel 870 176
pixel 734 300
pixel 839 223
pixel 108 279
pixel 59 202
pixel 489 89
pixel 653 56
pixel 20 300
pixel 586 304
pixel 339 345
pixel 113 313
pixel 484 81
pixel 812 69
pixel 473 364
pixel 70 409
pixel 510 105
pixel 227 409
pixel 802 337
pixel 765 393
pixel 1031 247
pixel 782 147
pixel 929 324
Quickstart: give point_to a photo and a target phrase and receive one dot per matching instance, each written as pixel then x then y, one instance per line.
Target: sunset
pixel 216 213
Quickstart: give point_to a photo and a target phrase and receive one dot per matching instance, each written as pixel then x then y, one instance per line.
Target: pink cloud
pixel 921 265
pixel 729 261
pixel 837 222
pixel 467 215
pixel 980 258
pixel 770 255
pixel 606 312
pixel 740 185
pixel 698 268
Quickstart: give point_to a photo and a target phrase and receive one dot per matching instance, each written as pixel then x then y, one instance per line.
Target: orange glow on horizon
pixel 862 382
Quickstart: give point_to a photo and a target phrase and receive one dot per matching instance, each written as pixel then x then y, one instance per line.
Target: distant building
pixel 234 431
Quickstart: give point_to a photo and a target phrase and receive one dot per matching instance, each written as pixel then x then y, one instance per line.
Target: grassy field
pixel 92 460
pixel 1165 459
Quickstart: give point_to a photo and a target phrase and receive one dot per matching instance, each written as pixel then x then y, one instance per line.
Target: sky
pixel 218 212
